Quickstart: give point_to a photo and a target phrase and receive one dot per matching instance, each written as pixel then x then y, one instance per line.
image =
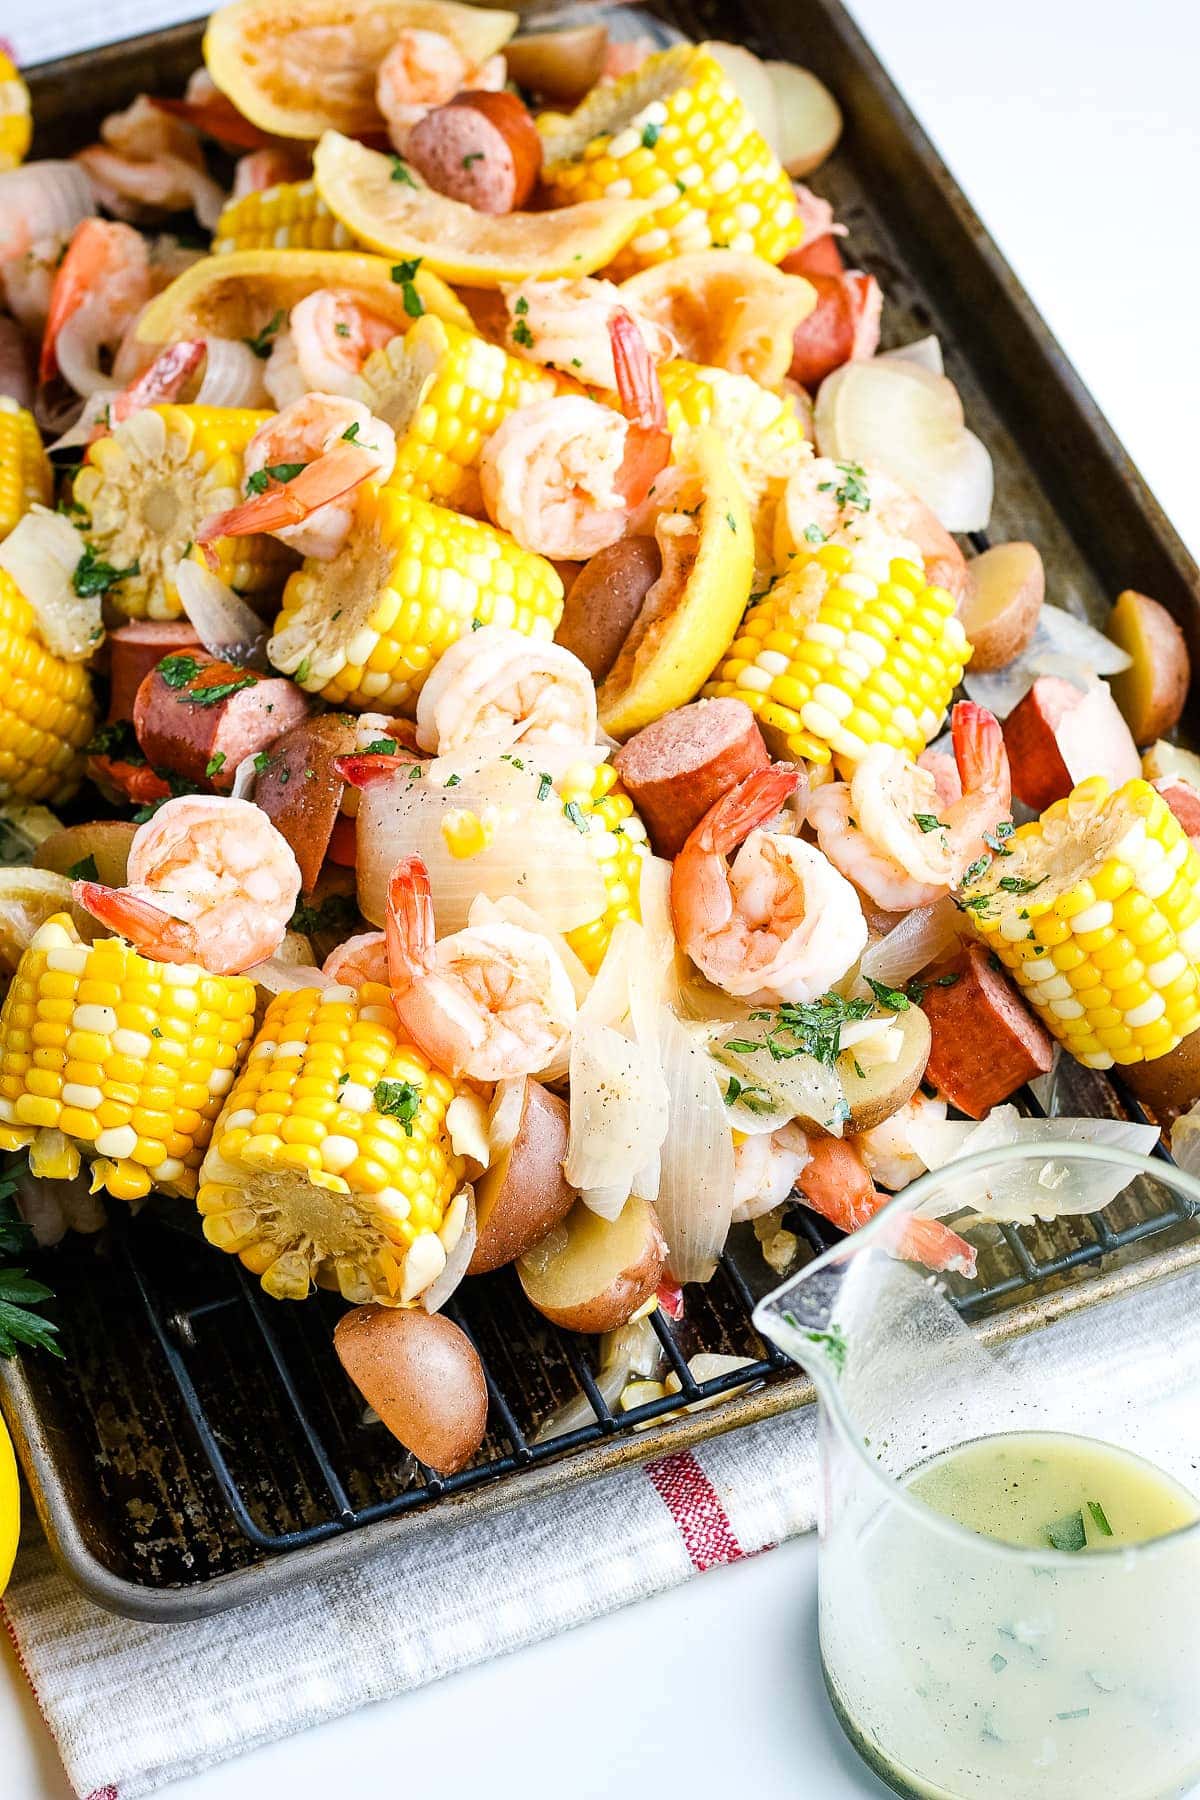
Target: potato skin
pixel 896 1084
pixel 526 1196
pixel 1169 1084
pixel 604 601
pixel 623 1292
pixel 1152 693
pixel 999 611
pixel 422 1375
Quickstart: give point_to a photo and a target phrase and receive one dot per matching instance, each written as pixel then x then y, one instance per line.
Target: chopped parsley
pixel 405 275
pixel 650 135
pixel 472 156
pixel 303 671
pixel 401 172
pixel 282 472
pixel 928 822
pixel 263 342
pixel 398 1100
pixel 452 781
pixel 889 997
pixel 976 869
pixel 814 535
pixel 94 576
pixel 756 1099
pixel 999 1663
pixel 522 335
pixel 811 1028
pixel 476 624
pixel 215 763
pixel 117 741
pixel 545 783
pixel 177 671
pixel 1099 1518
pixel 1013 884
pixel 382 747
pixel 338 913
pixel 731 522
pixel 262 762
pixel 1068 1533
pixel 574 812
pixel 18 1325
pixel 84 870
pixel 341 329
pixel 917 990
pixel 350 435
pixel 995 841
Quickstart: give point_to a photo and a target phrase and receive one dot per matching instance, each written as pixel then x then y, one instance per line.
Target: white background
pixel 1072 128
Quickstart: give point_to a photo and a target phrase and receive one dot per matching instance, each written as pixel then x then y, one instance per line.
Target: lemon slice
pixel 727 310
pixel 16 122
pixel 28 897
pixel 239 294
pixel 407 219
pixel 691 614
pixel 301 67
pixel 10 1507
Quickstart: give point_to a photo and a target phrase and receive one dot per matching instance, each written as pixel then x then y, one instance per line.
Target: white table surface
pixel 1075 137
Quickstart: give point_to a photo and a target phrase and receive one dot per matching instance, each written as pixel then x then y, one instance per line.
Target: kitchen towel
pixel 134 1706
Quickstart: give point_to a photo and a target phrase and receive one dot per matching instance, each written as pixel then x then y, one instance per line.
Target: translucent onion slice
pixel 78 435
pixel 892 414
pixel 926 352
pixel 225 625
pixel 42 201
pixel 695 1191
pixel 1061 645
pixel 911 945
pixel 1027 1191
pixel 278 976
pixel 807 1089
pixel 633 1350
pixel 458 1257
pixel 41 554
pixel 233 375
pixel 619 1114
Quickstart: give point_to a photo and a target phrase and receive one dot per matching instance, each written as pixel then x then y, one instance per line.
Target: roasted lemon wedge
pixel 728 311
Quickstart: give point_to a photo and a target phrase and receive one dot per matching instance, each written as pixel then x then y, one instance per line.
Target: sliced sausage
pixel 481 148
pixel 843 325
pixel 1057 736
pixel 135 650
pixel 198 717
pixel 300 790
pixel 678 767
pixel 986 1042
pixel 604 600
pixel 818 256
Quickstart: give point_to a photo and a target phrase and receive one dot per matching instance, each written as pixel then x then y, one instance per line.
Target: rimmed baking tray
pixel 199 1446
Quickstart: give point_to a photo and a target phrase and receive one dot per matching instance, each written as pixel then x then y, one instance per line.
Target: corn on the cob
pixel 617 839
pixel 16 120
pixel 844 652
pixel 677 132
pixel 444 391
pixel 331 1157
pixel 128 1060
pixel 46 714
pixel 1096 911
pixel 145 491
pixel 364 629
pixel 25 473
pixel 290 216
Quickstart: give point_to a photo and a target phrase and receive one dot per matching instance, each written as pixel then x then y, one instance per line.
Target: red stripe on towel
pixel 695 1506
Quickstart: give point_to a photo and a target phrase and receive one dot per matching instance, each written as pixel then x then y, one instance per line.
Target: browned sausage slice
pixel 604 599
pixel 678 767
pixel 480 148
pixel 300 790
pixel 986 1042
pixel 843 324
pixel 135 650
pixel 199 717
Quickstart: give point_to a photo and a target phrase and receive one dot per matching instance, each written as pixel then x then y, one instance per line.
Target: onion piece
pixel 894 415
pixel 467 1128
pixel 42 553
pixel 458 1257
pixel 225 625
pixel 58 195
pixel 244 778
pixel 232 375
pixel 631 1350
pixel 619 1113
pixel 695 1191
pixel 1025 1192
pixel 911 945
pixel 280 977
pixel 926 352
pixel 753 84
pixel 1061 645
pixel 94 414
pixel 505 1115
pixel 806 1089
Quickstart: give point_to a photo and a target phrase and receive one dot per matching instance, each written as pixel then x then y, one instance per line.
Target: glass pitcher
pixel 962 1667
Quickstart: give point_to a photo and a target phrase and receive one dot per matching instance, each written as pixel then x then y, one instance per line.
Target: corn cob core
pixel 364 630
pixel 289 216
pixel 846 651
pixel 126 1058
pixel 1096 912
pixel 46 712
pixel 16 121
pixel 444 391
pixel 617 838
pixel 147 488
pixel 25 472
pixel 677 132
pixel 331 1158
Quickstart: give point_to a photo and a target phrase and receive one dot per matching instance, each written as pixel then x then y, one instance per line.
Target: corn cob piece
pixel 46 713
pixel 145 490
pixel 677 132
pixel 126 1059
pixel 289 216
pixel 364 629
pixel 617 838
pixel 444 391
pixel 25 472
pixel 843 652
pixel 16 120
pixel 1096 913
pixel 331 1158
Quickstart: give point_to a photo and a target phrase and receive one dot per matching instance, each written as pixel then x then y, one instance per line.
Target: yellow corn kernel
pixel 343 1174
pixel 289 216
pixel 25 473
pixel 46 712
pixel 16 120
pixel 617 839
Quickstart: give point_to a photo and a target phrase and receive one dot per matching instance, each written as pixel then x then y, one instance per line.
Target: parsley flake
pixel 398 1100
pixel 93 576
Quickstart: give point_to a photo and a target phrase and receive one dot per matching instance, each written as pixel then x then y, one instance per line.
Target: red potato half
pixel 1169 1085
pixel 424 1378
pixel 1058 736
pixel 1151 693
pixel 999 610
pixel 592 1274
pixel 558 66
pixel 604 600
pixel 1183 800
pixel 524 1194
pixel 809 118
pixel 105 841
pixel 883 1088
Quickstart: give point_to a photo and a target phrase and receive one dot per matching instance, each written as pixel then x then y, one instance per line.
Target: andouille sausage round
pixel 480 148
pixel 678 767
pixel 199 717
pixel 300 790
pixel 137 648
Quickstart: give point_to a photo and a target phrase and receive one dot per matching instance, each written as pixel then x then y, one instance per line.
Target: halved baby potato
pixel 999 611
pixel 884 1087
pixel 524 1194
pixel 422 1375
pixel 1152 691
pixel 592 1274
pixel 101 843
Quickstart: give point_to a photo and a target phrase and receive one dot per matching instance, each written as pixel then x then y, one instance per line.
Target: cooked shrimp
pixel 41 204
pixel 103 281
pixel 328 338
pixel 151 163
pixel 316 454
pixel 497 690
pixel 778 922
pixel 844 503
pixel 836 1183
pixel 211 881
pixel 260 169
pixel 489 1002
pixel 564 325
pixel 563 475
pixel 359 959
pixel 165 379
pixel 887 1149
pixel 888 829
pixel 424 69
pixel 765 1168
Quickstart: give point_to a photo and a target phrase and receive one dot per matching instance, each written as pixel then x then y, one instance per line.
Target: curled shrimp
pixel 836 1182
pixel 564 325
pixel 490 1002
pixel 889 831
pixel 328 338
pixel 887 1149
pixel 359 959
pixel 313 470
pixel 776 923
pixel 563 475
pixel 844 503
pixel 165 379
pixel 765 1168
pixel 496 690
pixel 102 284
pixel 149 163
pixel 211 881
pixel 424 69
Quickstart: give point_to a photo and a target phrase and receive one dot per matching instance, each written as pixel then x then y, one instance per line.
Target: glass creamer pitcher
pixel 964 1667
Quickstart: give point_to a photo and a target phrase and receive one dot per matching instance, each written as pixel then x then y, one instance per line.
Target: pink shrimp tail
pixel 979 751
pixel 930 1242
pixel 164 380
pixel 359 959
pixel 87 262
pixel 751 803
pixel 285 503
pixel 363 770
pixel 409 929
pixel 154 932
pixel 836 1183
pixel 647 441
